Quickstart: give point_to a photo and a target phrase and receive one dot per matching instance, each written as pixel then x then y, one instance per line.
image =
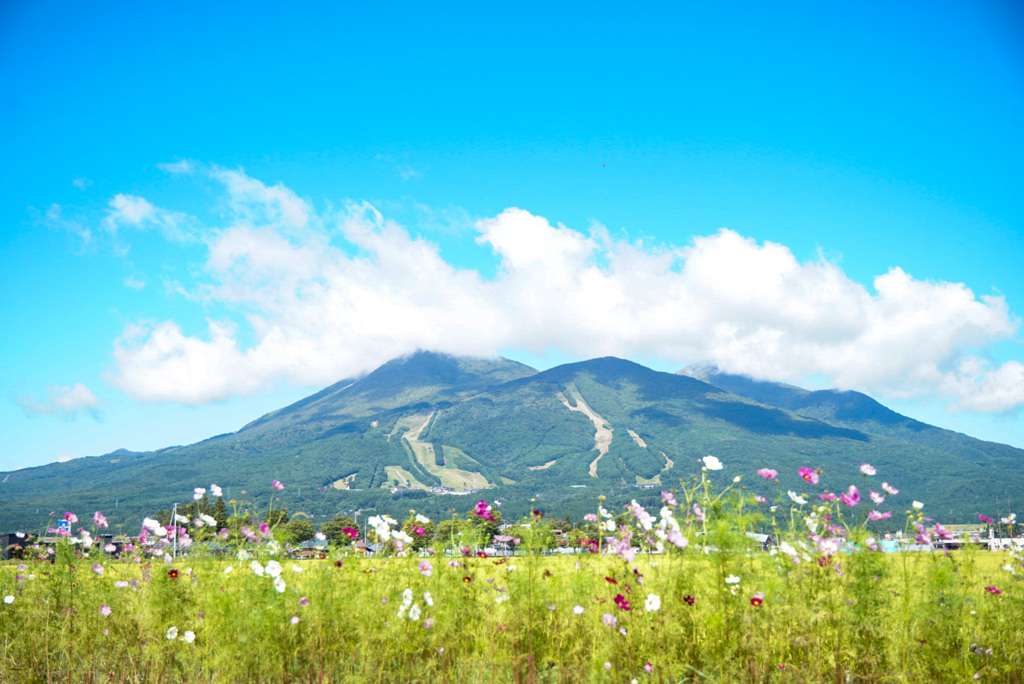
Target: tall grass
pixel 720 609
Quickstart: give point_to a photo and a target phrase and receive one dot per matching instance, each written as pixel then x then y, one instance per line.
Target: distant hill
pixel 429 431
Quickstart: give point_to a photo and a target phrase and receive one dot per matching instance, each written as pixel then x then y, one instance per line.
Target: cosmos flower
pixel 198 493
pixel 105 610
pixel 622 602
pixel 294 620
pixel 99 520
pixel 215 490
pixel 652 603
pixel 97 568
pixel 732 579
pixel 797 499
pixel 426 568
pixel 712 463
pixel 173 574
pixel 889 489
pixel 992 590
pixel 590 517
pixel 768 473
pixel 668 499
pixel 852 496
pixel 808 474
pixel 877 498
pixel 878 515
pixel 760 499
pixel 276 484
pixel 279 585
pixel 917 505
pixel 172 632
pixel 757 599
pixel 985 519
pixel 609 620
pixel 698 512
pixel 189 636
pixel 578 610
pixel 689 600
pixel 867 469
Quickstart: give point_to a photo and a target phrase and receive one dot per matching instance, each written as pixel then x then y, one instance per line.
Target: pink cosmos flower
pixel 760 499
pixel 419 531
pixel 97 568
pixel 71 517
pixel 867 469
pixel 878 515
pixel 985 519
pixel 768 473
pixel 590 518
pixel 699 512
pixel 276 484
pixel 295 620
pixel 890 489
pixel 666 497
pixel 303 601
pixel 648 667
pixel 676 538
pixel 852 496
pixel 426 568
pixel 105 610
pixel 610 620
pixel 99 520
pixel 871 543
pixel 264 528
pixel 828 496
pixel 484 510
pixel 877 498
pixel 809 475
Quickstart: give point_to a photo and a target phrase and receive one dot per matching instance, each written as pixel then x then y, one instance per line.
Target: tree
pixel 300 529
pixel 220 513
pixel 334 530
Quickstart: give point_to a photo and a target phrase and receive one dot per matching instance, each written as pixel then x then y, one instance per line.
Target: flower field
pixel 676 595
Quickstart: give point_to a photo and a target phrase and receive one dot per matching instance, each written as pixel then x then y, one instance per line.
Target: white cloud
pixel 134 283
pixel 181 167
pixel 328 295
pixel 82 183
pixel 65 401
pixel 129 211
pixel 66 456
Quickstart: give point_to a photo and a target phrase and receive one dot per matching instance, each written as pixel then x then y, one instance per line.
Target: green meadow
pixel 680 595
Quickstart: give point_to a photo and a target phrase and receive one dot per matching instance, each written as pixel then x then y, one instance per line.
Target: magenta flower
pixel 622 602
pixel 809 474
pixel 71 517
pixel 648 667
pixel 484 510
pixel 105 610
pixel 867 469
pixel 419 531
pixel 666 497
pixel 264 528
pixel 992 590
pixel 768 473
pixel 276 484
pixel 350 532
pixel 852 496
pixel 303 601
pixel 757 599
pixel 99 520
pixel 985 519
pixel 828 496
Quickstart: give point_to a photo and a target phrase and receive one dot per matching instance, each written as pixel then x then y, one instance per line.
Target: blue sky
pixel 212 210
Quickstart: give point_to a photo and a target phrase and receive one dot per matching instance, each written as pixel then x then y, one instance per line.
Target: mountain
pixel 423 429
pixel 859 412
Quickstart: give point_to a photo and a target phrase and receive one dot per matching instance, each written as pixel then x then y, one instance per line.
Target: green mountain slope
pixel 422 429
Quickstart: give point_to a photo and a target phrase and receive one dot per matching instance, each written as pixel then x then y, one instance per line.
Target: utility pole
pixel 174 522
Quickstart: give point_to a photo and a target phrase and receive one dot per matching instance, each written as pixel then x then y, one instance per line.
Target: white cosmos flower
pixel 8 599
pixel 609 525
pixel 917 505
pixel 198 494
pixel 215 490
pixel 150 524
pixel 228 569
pixel 732 579
pixel 189 636
pixel 407 597
pixel 422 519
pixel 712 463
pixel 652 603
pixel 867 469
pixel 279 584
pixel 296 568
pixel 256 568
pixel 796 497
pixel 209 520
pixel 172 632
pixel 414 612
pixel 273 568
pixel 428 598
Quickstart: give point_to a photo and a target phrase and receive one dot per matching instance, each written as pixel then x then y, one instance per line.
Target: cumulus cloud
pixel 327 295
pixel 64 401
